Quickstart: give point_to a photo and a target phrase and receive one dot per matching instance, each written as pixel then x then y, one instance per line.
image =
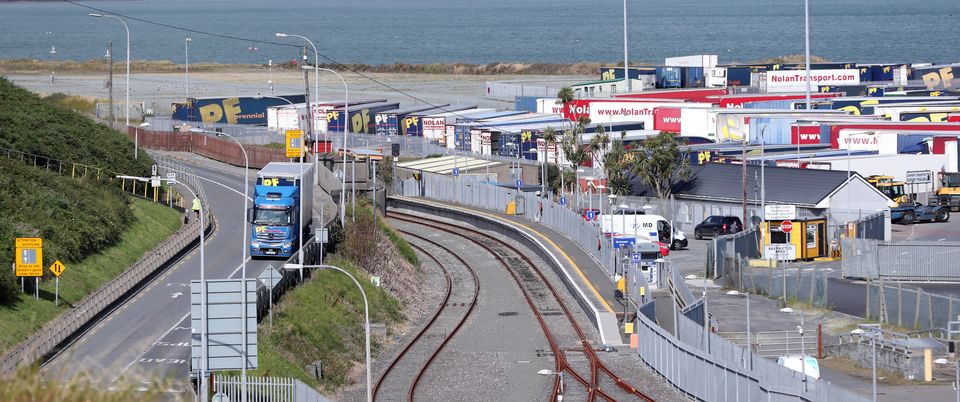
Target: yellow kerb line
pixel 567 257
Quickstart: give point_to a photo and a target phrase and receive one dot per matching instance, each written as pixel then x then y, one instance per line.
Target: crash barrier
pixel 722 252
pixel 801 282
pixel 922 261
pixel 908 306
pixel 725 371
pixel 266 389
pixel 54 333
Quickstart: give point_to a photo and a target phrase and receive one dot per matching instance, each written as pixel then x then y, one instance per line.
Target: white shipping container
pixel 433 127
pixel 287 117
pixel 697 60
pixel 613 112
pixel 476 140
pixel 549 105
pixel 938 113
pixel 889 165
pixel 698 122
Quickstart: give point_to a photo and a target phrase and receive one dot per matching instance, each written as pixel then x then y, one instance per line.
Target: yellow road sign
pixel 294 143
pixel 29 257
pixel 57 268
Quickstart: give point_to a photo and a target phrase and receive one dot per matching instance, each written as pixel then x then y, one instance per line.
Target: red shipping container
pixel 804 134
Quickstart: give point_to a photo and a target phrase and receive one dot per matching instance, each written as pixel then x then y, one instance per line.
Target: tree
pixel 599 144
pixel 565 95
pixel 550 138
pixel 660 164
pixel 573 150
pixel 615 164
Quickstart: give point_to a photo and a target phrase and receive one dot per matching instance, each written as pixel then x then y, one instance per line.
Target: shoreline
pixel 35 66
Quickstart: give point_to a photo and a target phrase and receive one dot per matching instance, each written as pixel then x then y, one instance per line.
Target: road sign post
pixel 223 348
pixel 786 226
pixel 270 278
pixel 57 268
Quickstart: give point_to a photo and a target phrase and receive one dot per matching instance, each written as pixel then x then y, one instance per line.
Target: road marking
pixel 127 367
pixel 176 295
pixel 554 245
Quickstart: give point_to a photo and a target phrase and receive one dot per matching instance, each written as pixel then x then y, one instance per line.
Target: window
pixel 271 216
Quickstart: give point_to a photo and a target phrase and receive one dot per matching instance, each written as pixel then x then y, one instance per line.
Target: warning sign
pixel 57 268
pixel 294 143
pixel 29 256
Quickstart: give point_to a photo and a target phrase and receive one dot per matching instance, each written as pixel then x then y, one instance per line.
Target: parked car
pixel 717 225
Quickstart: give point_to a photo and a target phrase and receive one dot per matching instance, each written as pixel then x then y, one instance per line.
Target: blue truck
pixel 282 209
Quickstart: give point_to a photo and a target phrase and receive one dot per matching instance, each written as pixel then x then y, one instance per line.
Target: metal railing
pixel 909 307
pixel 63 327
pixel 904 261
pixel 268 389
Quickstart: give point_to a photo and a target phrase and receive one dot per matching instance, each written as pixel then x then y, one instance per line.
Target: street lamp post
pixel 243 253
pixel 366 312
pixel 186 65
pixel 626 64
pixel 203 286
pixel 136 138
pixel 316 62
pixel 125 27
pixel 343 149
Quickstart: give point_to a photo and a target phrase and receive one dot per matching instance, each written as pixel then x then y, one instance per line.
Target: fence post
pixel 900 303
pixel 916 313
pixel 820 341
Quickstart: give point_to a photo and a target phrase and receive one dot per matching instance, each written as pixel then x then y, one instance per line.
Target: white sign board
pixel 794 80
pixel 919 176
pixel 224 316
pixel 780 252
pixel 780 212
pixel 172 178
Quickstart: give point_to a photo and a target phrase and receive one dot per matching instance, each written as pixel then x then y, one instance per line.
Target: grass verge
pixel 30 385
pixel 322 320
pixel 153 223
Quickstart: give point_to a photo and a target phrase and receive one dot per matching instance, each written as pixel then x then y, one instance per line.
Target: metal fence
pixel 723 252
pixel 60 329
pixel 904 261
pixel 909 307
pixel 224 150
pixel 872 226
pixel 267 389
pixel 725 371
pixel 510 90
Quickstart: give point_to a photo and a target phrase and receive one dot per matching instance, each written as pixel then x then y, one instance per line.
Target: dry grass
pixel 30 385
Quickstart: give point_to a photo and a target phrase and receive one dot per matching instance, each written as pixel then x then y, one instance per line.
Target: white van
pixel 811 366
pixel 654 228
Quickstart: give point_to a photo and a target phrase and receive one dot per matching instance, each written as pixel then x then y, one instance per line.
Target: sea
pixel 484 31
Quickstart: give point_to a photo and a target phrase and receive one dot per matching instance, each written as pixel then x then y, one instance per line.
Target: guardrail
pixel 268 389
pixel 46 340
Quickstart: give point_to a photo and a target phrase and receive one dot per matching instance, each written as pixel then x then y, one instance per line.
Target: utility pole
pixel 306 84
pixel 626 64
pixel 743 179
pixel 110 79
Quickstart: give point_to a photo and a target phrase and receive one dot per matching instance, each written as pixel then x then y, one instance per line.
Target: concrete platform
pixel 583 276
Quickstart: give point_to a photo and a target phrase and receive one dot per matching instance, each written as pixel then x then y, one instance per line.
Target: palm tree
pixel 550 139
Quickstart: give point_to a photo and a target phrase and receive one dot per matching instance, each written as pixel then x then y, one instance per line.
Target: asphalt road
pixel 148 337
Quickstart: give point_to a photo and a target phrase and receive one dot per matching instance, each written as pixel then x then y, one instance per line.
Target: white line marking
pixel 127 367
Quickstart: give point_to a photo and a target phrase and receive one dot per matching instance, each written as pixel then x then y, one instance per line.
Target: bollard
pixel 927 365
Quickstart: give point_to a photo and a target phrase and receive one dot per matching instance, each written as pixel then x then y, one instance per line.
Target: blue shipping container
pixel 776 131
pixel 912 143
pixel 616 73
pixel 738 76
pixel 692 77
pixel 526 103
pixel 669 77
pixel 238 110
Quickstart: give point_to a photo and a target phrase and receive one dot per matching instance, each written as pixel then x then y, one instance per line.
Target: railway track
pixel 530 282
pixel 405 353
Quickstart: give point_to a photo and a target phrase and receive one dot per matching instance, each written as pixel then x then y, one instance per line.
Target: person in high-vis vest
pixel 196 207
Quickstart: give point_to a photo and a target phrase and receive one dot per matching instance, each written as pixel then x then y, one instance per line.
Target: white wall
pixel 854 200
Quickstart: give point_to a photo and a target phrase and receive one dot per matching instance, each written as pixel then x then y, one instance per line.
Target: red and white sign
pixel 667 119
pixel 805 134
pixel 433 127
pixel 836 129
pixel 737 101
pixel 954 118
pixel 786 226
pixel 792 80
pixel 320 117
pixel 574 109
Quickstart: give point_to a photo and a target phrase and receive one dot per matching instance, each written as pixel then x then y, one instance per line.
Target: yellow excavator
pixel 949 193
pixel 907 210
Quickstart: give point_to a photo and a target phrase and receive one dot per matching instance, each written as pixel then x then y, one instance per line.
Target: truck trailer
pixel 282 209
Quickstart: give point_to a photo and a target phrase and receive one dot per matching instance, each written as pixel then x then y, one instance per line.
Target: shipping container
pixel 796 80
pixel 388 123
pixel 854 90
pixel 691 77
pixel 527 103
pixel 737 101
pixel 362 117
pixel 670 77
pixel 939 77
pixel 867 105
pixel 893 127
pixel 616 73
pixel 697 60
pixel 693 95
pixel 236 110
pixel 288 117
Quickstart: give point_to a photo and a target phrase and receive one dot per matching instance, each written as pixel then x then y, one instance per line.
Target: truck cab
pixel 275 219
pixel 949 193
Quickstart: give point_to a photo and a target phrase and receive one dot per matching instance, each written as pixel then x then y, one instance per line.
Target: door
pixel 811 240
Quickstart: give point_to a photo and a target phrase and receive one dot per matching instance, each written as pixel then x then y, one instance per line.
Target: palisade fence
pixel 872 226
pixel 923 261
pixel 267 389
pixel 909 307
pixel 60 329
pixel 510 90
pixel 528 206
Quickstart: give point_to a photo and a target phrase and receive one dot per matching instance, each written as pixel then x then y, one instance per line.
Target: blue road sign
pixel 591 215
pixel 563 201
pixel 519 183
pixel 456 172
pixel 635 257
pixel 619 242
